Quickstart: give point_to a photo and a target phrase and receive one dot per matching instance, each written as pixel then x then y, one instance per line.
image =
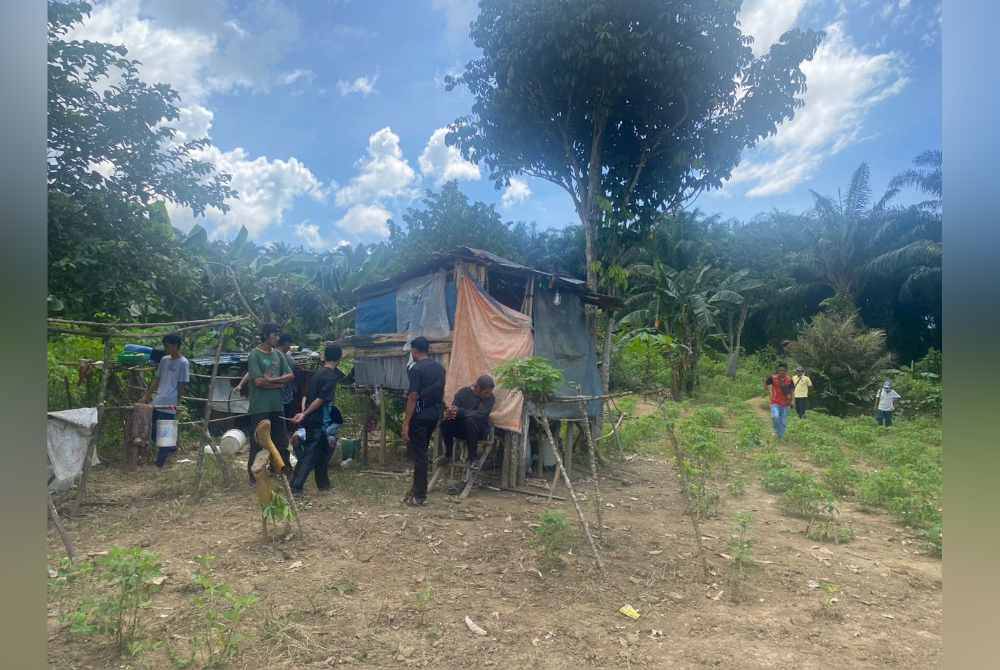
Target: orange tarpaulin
pixel 486 334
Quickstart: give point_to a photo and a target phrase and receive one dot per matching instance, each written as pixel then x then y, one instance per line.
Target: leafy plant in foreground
pixel 741 550
pixel 552 537
pixel 126 580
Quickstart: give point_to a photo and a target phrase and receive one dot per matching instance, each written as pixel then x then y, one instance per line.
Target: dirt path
pixel 347 593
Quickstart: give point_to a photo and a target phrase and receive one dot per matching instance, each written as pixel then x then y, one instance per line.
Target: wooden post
pixel 67 542
pixel 69 396
pixel 92 446
pixel 592 445
pixel 568 445
pixel 522 470
pixel 572 495
pixel 381 428
pixel 223 466
pixel 507 446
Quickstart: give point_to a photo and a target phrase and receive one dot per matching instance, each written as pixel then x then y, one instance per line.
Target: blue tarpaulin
pixel 377 315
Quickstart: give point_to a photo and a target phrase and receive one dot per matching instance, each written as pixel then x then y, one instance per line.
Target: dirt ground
pixel 346 593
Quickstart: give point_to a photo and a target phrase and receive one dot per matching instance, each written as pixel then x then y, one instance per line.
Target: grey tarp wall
pixel 388 372
pixel 562 337
pixel 421 307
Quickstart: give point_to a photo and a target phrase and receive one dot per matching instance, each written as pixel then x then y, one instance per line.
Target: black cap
pixel 420 344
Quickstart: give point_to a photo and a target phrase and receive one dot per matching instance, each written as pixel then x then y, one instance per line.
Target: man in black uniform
pixel 319 409
pixel 468 418
pixel 424 407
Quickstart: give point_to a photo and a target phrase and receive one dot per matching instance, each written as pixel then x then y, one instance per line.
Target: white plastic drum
pixel 166 433
pixel 233 441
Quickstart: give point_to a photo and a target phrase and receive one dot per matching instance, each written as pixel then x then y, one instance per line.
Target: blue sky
pixel 329 113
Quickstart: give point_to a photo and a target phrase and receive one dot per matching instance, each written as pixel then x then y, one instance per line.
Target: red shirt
pixel 778 396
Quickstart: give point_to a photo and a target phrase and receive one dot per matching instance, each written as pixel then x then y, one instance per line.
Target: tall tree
pixel 113 161
pixel 630 107
pixel 110 132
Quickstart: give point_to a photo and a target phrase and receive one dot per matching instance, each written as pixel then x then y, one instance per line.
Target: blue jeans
pixel 779 418
pixel 884 418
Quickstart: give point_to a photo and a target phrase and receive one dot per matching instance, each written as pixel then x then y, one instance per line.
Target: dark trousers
pixel 163 453
pixel 419 439
pixel 315 458
pixel 463 429
pixel 279 435
pixel 884 417
pixel 801 405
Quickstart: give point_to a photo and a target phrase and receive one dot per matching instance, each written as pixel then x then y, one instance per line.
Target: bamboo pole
pixel 92 446
pixel 572 495
pixel 522 471
pixel 207 418
pixel 381 428
pixel 67 542
pixel 592 446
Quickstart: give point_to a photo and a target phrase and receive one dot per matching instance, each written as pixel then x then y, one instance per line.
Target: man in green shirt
pixel 268 372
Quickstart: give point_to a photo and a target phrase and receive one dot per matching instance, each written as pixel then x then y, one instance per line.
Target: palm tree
pixel 856 243
pixel 926 177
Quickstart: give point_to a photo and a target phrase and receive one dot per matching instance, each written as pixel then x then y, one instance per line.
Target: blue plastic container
pixel 139 349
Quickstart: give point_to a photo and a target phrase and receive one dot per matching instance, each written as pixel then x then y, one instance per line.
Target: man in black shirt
pixel 424 407
pixel 316 450
pixel 468 418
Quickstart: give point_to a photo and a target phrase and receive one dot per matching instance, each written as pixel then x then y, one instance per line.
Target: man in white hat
pixel 886 400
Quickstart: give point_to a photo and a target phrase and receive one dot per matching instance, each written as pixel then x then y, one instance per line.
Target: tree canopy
pixel 630 107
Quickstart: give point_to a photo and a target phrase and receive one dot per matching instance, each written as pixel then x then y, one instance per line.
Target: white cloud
pixel 197 52
pixel 267 189
pixel 843 85
pixel 305 76
pixel 517 191
pixel 767 20
pixel 363 85
pixel 444 163
pixel 384 173
pixel 310 235
pixel 365 221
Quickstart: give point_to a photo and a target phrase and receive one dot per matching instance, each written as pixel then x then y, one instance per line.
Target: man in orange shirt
pixel 781 388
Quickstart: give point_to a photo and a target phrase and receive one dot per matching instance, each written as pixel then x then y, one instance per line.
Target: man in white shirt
pixel 167 389
pixel 886 399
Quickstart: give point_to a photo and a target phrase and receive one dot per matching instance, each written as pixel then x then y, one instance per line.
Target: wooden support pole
pixel 95 437
pixel 592 446
pixel 572 495
pixel 57 522
pixel 381 428
pixel 223 466
pixel 522 470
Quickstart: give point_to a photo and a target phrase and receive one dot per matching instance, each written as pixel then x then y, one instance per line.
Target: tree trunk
pixel 734 350
pixel 606 368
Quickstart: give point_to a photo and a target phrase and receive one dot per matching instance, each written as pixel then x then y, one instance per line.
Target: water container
pixel 139 349
pixel 233 441
pixel 132 358
pixel 166 433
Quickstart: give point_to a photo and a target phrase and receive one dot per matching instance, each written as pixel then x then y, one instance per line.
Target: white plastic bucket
pixel 166 433
pixel 233 441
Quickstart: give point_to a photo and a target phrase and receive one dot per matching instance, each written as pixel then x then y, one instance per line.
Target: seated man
pixel 468 418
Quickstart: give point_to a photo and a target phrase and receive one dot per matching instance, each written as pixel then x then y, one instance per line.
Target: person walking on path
pixel 885 402
pixel 782 389
pixel 424 408
pixel 172 376
pixel 802 386
pixel 268 372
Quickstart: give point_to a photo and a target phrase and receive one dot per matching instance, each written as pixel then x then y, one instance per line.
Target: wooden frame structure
pixel 108 332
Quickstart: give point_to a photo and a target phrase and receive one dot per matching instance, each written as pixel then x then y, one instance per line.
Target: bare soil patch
pixel 346 594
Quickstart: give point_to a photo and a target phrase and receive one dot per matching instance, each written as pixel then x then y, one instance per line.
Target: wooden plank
pixel 92 446
pixel 482 459
pixel 381 428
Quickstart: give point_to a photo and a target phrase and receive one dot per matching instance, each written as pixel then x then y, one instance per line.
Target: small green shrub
pixel 220 612
pixel 737 486
pixel 124 582
pixel 880 487
pixel 826 455
pixel 750 435
pixel 535 377
pixel 780 480
pixel 709 416
pixel 741 550
pixel 703 457
pixel 552 537
pixel 806 499
pixel 842 479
